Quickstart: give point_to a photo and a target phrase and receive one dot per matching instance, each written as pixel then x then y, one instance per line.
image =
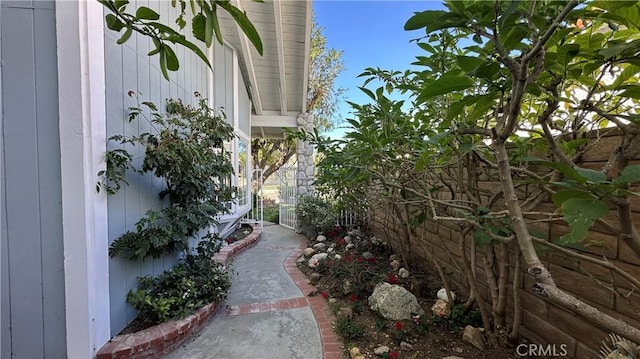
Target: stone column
pixel 306 167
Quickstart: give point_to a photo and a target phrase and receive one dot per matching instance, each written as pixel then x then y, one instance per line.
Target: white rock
pixel 330 250
pixel 350 246
pixel 315 260
pixel 395 264
pixel 473 336
pixel 406 346
pixel 394 302
pixel 321 238
pixel 319 247
pixel 347 239
pixel 381 350
pixel 338 257
pixel 403 273
pixel 442 294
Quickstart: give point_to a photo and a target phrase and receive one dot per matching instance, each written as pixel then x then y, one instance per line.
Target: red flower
pixel 394 355
pixel 399 325
pixel 354 297
pixel 372 260
pixel 324 295
pixel 392 279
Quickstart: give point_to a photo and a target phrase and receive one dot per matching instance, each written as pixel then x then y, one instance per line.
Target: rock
pixel 393 257
pixel 333 301
pixel 395 264
pixel 319 247
pixel 406 346
pixel 353 352
pixel 347 239
pixel 453 357
pixel 458 350
pixel 394 302
pixel 308 252
pixel 301 260
pixel 346 286
pixel 345 312
pixel 473 336
pixel 381 350
pixel 337 257
pixel 442 294
pixel 367 255
pixel 314 277
pixel 330 250
pixel 315 260
pixel 403 273
pixel 441 308
pixel 350 246
pixel 321 238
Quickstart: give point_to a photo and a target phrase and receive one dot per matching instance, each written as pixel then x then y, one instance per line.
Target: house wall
pixel 543 321
pixel 128 68
pixel 33 300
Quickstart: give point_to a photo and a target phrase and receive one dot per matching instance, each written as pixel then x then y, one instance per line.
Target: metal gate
pixel 288 192
pixel 256 214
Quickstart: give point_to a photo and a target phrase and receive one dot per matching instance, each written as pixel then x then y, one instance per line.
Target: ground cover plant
pixel 355 264
pixel 493 146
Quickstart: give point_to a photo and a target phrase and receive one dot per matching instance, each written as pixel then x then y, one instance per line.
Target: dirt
pixel 430 337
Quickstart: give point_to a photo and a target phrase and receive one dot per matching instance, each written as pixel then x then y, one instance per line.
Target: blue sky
pixel 370 34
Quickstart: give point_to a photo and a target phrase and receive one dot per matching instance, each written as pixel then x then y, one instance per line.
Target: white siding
pixel 129 68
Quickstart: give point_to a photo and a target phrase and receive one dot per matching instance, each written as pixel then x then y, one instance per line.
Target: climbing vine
pixel 187 152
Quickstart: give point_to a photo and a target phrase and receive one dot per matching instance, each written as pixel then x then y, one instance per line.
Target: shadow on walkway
pixel 267 314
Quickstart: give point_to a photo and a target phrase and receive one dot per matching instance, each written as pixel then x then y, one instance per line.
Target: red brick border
pixel 332 346
pixel 158 340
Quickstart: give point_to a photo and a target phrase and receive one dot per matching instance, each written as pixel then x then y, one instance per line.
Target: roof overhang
pixel 277 81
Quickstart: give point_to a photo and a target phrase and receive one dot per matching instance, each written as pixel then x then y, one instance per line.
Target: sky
pixel 370 34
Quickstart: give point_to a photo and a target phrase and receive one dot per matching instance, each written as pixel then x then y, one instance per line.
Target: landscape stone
pixel 319 247
pixel 367 255
pixel 441 308
pixel 308 252
pixel 403 273
pixel 321 238
pixel 314 277
pixel 453 357
pixel 381 350
pixel 395 264
pixel 394 302
pixel 442 294
pixel 473 336
pixel 406 346
pixel 350 246
pixel 345 312
pixel 301 260
pixel 315 260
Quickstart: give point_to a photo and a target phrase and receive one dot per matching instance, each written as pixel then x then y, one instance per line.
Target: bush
pixel 349 329
pixel 194 282
pixel 272 214
pixel 314 215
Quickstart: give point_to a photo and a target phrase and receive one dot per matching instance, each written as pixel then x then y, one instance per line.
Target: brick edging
pixel 332 346
pixel 161 339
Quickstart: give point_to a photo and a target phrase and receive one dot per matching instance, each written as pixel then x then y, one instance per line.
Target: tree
pixel 513 94
pixel 325 65
pixel 204 26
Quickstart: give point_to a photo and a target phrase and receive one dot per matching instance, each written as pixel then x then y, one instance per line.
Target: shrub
pixel 314 215
pixel 194 282
pixel 349 329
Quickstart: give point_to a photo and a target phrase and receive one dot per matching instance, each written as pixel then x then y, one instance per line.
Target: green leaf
pixel 146 13
pixel 245 24
pixel 630 174
pixel 198 27
pixel 423 19
pixel 480 238
pixel 580 214
pixel 163 62
pixel 113 23
pixel 125 36
pixel 613 5
pixel 632 91
pixel 628 72
pixel 120 4
pixel 444 85
pixel 591 175
pixel 566 194
pixel 469 63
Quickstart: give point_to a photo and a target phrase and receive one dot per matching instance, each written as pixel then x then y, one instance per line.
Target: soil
pixel 430 337
pixel 240 233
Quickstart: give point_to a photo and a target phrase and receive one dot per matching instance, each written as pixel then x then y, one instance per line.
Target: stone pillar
pixel 306 167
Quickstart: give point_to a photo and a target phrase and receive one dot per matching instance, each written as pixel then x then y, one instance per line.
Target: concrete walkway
pixel 268 313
